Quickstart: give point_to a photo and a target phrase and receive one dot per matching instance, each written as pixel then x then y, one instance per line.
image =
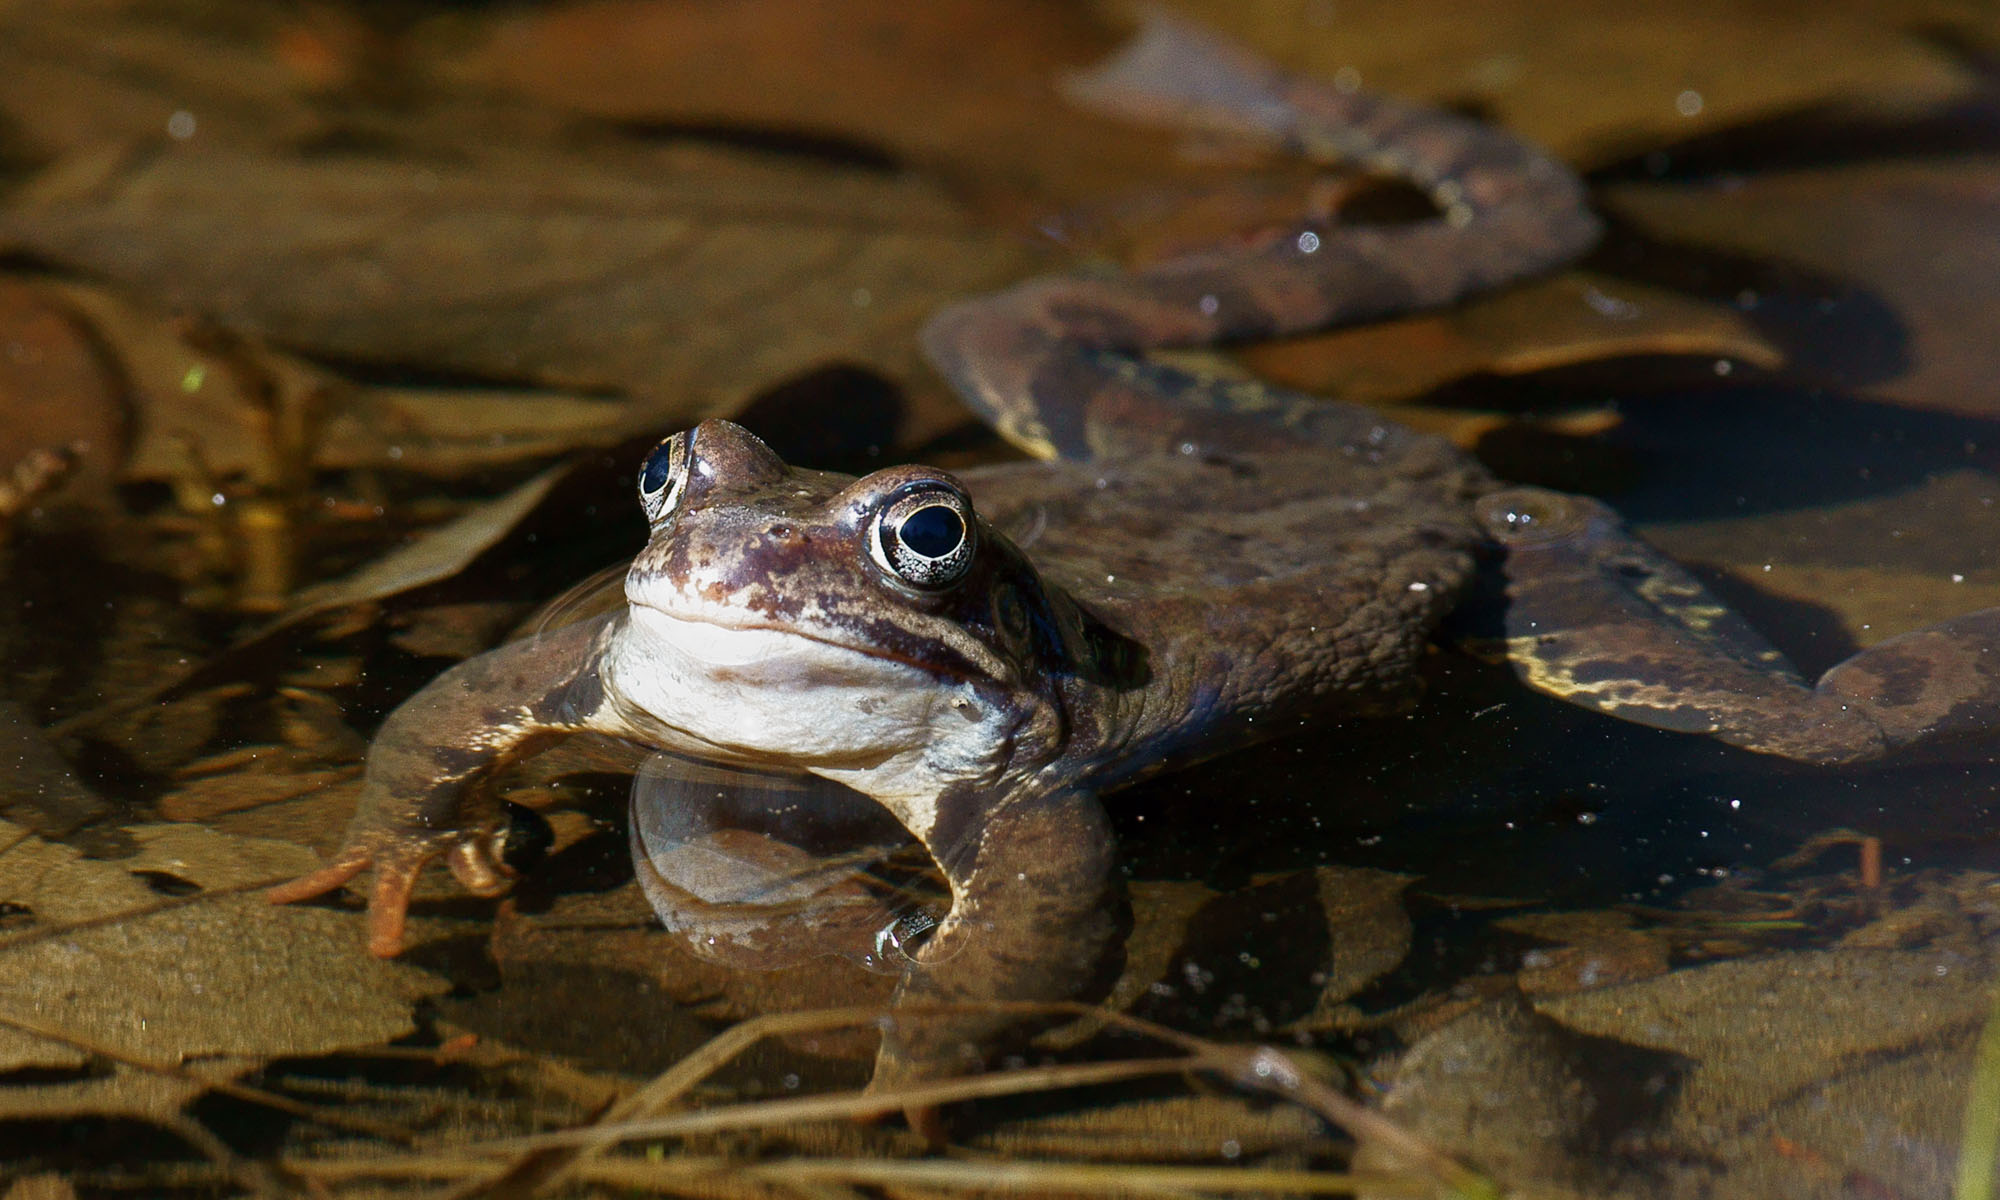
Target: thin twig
pixel 482 1167
pixel 981 1175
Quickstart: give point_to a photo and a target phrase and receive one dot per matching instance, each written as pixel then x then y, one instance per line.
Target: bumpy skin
pixel 1203 561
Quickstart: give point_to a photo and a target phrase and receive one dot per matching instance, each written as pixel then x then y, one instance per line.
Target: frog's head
pixel 813 619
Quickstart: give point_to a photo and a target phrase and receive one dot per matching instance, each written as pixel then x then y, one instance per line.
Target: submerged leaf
pixel 845 74
pixel 1902 257
pixel 57 390
pixel 211 860
pixel 1576 318
pixel 1762 1028
pixel 120 1091
pixel 710 277
pixel 1587 78
pixel 434 555
pixel 190 398
pixel 111 968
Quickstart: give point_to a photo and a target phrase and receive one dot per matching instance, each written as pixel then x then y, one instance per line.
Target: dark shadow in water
pixel 1818 135
pixel 826 147
pixel 1705 451
pixel 840 417
pixel 1831 328
pixel 79 1146
pixel 1488 787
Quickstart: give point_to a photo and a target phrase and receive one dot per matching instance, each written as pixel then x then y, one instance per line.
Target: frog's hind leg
pixel 1592 615
pixel 1037 917
pixel 1053 362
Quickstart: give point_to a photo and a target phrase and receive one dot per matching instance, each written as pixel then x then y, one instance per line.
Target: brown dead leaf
pixel 453 630
pixel 1762 1028
pixel 865 73
pixel 88 71
pixel 1809 1074
pixel 42 790
pixel 316 818
pixel 40 1187
pixel 206 799
pixel 713 276
pixel 187 395
pixel 1502 1086
pixel 1369 932
pixel 1161 911
pixel 58 389
pixel 60 886
pixel 1588 950
pixel 1911 250
pixel 118 1091
pixel 256 775
pixel 111 970
pixel 1595 81
pixel 1172 1128
pixel 434 555
pixel 164 735
pixel 1574 318
pixel 596 979
pixel 1883 564
pixel 212 860
pixel 1836 1136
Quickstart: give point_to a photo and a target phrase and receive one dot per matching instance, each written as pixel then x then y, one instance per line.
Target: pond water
pixel 333 336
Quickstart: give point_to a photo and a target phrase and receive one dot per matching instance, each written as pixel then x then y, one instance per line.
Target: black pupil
pixel 932 531
pixel 658 466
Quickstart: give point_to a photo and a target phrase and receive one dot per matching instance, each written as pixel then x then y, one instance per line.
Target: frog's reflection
pixel 760 870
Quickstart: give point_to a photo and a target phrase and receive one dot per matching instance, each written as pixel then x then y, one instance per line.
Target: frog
pixel 1186 563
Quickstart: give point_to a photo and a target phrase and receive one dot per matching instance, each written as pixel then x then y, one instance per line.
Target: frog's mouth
pixel 750 692
pixel 728 640
pixel 751 651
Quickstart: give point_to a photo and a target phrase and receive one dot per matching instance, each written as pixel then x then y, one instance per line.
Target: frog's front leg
pixel 424 789
pixel 1593 615
pixel 1038 914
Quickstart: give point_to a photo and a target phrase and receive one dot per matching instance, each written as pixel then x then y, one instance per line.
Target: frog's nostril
pixel 784 533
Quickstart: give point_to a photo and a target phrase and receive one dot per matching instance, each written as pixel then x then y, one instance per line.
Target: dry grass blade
pixel 849 1105
pixel 227 1087
pixel 540 1171
pixel 166 1067
pixel 1267 1069
pixel 545 1161
pixel 984 1176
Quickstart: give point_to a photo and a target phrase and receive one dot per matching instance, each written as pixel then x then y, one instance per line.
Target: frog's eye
pixel 924 536
pixel 661 477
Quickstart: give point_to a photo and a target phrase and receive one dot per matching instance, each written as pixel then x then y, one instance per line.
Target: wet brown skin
pixel 1201 562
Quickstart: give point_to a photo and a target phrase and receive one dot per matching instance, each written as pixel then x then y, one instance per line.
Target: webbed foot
pixel 1595 616
pixel 397 858
pixel 426 791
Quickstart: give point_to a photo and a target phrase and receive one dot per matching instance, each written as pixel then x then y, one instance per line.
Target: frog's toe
pixel 388 900
pixel 389 903
pixel 317 883
pixel 478 867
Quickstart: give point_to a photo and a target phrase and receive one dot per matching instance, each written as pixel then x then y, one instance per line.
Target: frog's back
pixel 1265 582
